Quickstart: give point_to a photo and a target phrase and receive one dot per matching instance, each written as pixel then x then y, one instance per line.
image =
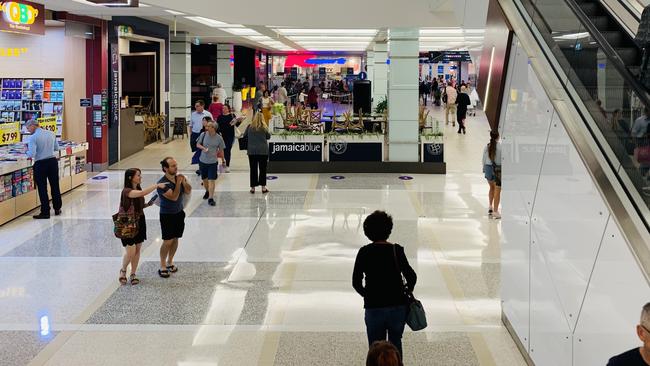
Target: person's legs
pixel 211 185
pixel 491 196
pixel 193 137
pixel 164 252
pixel 452 110
pixel 227 152
pixel 262 162
pixel 252 164
pixel 172 251
pixel 447 114
pixel 375 325
pixel 135 260
pixel 53 178
pixel 40 177
pixel 497 198
pixel 395 323
pixel 129 253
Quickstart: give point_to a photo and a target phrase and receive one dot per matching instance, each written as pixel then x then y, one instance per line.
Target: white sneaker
pixel 496 215
pixel 227 169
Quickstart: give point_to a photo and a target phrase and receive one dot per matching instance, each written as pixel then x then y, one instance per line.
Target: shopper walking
pixel 381 266
pixel 43 149
pixel 221 93
pixel 283 96
pixel 133 195
pixel 226 127
pixel 196 122
pixel 258 151
pixel 492 171
pixel 312 98
pixel 450 105
pixel 216 107
pixel 383 353
pixel 209 142
pixel 267 104
pixel 172 216
pixel 637 356
pixel 463 102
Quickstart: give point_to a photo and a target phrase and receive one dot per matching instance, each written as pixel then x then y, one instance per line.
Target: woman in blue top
pixel 492 170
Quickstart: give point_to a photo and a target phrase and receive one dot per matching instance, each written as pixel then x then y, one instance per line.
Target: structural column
pixel 181 73
pixel 380 73
pixel 225 72
pixel 403 105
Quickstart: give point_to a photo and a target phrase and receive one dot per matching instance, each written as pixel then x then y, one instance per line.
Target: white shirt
pixel 282 94
pixel 452 94
pixel 197 120
pixel 640 126
pixel 221 93
pixel 497 155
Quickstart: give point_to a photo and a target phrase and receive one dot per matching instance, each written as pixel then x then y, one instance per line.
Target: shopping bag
pixel 642 154
pixel 126 222
pixel 416 318
pixel 196 156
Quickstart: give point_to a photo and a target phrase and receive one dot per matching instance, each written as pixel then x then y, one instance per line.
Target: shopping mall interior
pixel 197 183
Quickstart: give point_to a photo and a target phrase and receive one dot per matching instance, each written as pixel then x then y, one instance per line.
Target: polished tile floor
pixel 263 280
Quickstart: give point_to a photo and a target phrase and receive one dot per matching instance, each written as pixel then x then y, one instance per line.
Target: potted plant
pixel 382 106
pixel 236 96
pixel 432 146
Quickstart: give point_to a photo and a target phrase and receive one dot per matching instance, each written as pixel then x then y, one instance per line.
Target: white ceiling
pixel 287 25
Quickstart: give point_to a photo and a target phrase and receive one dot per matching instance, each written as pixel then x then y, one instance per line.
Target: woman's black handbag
pixel 416 318
pixel 243 142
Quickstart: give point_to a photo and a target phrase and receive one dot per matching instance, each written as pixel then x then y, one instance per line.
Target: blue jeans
pixel 391 320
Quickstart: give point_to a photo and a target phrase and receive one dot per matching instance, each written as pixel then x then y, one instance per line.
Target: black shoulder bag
pixel 416 318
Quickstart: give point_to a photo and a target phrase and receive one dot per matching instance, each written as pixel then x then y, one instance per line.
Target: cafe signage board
pixel 19 16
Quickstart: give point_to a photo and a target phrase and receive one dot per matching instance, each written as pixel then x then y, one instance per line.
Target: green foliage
pixel 382 106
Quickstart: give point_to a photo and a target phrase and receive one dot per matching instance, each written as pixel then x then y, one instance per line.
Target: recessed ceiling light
pixel 174 12
pixel 260 38
pixel 209 22
pixel 305 31
pixel 329 38
pixel 241 31
pixel 440 31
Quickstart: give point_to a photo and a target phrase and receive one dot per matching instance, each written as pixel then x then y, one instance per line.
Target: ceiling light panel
pixel 330 38
pixel 324 32
pixel 260 38
pixel 213 23
pixel 174 12
pixel 241 31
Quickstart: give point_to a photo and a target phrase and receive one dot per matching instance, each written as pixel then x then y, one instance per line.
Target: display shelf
pixel 18 193
pixel 26 202
pixel 7 210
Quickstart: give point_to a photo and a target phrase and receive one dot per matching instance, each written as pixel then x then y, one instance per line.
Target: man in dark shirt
pixel 637 356
pixel 172 216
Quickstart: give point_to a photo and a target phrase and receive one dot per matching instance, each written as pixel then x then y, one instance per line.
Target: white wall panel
pixel 611 309
pixel 550 336
pixel 569 218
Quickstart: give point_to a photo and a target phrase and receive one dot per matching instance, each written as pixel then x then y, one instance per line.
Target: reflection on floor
pixel 263 280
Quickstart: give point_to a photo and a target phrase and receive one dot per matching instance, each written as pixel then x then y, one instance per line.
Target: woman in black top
pixel 383 292
pixel 461 112
pixel 227 122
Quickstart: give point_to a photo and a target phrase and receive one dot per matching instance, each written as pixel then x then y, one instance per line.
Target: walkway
pixel 263 280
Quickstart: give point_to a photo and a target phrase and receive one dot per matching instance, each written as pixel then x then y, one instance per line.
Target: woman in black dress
pixel 227 123
pixel 133 194
pixel 461 112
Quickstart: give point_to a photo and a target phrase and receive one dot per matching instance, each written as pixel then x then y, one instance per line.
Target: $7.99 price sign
pixel 9 133
pixel 48 123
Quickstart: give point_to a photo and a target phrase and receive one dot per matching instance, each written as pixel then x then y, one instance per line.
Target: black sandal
pixel 172 268
pixel 163 273
pixel 123 276
pixel 134 279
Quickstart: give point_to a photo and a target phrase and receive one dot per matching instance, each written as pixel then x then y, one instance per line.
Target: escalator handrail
pixel 611 54
pixel 633 13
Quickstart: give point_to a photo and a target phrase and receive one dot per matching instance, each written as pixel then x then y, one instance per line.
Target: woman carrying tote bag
pixel 384 297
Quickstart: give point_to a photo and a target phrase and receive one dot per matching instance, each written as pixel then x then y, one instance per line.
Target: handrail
pixel 611 54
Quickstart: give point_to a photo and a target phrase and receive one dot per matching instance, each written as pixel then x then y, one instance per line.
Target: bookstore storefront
pixel 40 80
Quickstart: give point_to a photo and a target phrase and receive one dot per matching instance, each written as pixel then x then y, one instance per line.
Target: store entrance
pixel 139 82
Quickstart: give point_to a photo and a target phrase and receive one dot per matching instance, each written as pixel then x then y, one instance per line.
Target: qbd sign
pixel 22 17
pixel 296 151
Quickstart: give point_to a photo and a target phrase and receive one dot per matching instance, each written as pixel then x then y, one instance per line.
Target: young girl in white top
pixel 492 171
